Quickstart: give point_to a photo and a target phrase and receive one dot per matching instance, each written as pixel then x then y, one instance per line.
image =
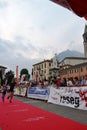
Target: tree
pixel 9 76
pixel 25 72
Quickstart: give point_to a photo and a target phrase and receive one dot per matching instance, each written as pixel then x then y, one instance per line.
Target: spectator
pixel 69 82
pixel 58 82
pixel 45 83
pixel 63 82
pixel 85 80
pixel 76 81
pixel 54 82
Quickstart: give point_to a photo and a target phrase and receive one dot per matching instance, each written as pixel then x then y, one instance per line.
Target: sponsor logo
pixel 70 100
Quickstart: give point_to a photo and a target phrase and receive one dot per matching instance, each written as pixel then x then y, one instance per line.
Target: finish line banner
pixel 75 97
pixel 38 93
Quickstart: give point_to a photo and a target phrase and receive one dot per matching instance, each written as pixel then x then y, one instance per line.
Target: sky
pixel 34 30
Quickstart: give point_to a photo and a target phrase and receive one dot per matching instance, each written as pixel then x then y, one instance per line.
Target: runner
pixel 11 90
pixel 4 89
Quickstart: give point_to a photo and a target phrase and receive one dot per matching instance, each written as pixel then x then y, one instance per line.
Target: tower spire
pixel 85 40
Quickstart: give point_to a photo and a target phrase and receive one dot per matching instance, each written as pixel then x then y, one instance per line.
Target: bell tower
pixel 85 41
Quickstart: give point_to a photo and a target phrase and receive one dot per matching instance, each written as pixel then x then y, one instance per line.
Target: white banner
pixel 75 97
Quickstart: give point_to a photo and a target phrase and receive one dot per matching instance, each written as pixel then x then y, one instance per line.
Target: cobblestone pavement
pixel 67 112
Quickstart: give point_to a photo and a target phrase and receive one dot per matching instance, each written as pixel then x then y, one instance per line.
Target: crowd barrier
pixel 21 91
pixel 75 97
pixel 33 92
pixel 38 93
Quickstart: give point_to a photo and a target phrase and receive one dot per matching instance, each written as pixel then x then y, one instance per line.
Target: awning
pixel 79 7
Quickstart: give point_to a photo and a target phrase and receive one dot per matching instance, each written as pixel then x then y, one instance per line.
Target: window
pixel 45 65
pixel 49 64
pixel 81 69
pixel 42 66
pixel 86 67
pixel 76 70
pixel 72 71
pixel 86 38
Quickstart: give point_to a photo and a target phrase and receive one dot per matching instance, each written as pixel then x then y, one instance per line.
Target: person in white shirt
pixel 69 82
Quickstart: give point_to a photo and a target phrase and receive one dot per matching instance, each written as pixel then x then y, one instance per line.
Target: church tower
pixel 85 41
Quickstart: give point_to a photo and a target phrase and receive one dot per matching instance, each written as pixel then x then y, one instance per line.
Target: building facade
pixel 54 70
pixel 41 70
pixel 72 61
pixel 79 70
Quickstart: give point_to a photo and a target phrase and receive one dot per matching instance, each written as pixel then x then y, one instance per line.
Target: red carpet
pixel 22 116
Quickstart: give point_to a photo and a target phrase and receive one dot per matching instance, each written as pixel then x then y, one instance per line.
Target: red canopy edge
pixel 79 7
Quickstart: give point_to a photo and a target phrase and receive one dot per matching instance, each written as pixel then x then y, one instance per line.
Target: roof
pixel 79 58
pixel 3 67
pixel 75 66
pixel 42 62
pixel 51 69
pixel 79 65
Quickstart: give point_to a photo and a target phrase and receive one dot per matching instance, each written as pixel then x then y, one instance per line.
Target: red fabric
pixel 77 6
pixel 22 116
pixel 58 83
pixel 85 17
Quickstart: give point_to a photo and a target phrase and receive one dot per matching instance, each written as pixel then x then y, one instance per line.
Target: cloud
pixel 17 53
pixel 3 4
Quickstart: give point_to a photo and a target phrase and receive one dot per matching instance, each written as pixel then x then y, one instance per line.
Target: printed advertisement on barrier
pixel 75 97
pixel 20 91
pixel 39 93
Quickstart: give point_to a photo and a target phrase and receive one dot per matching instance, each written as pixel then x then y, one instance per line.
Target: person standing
pixel 11 90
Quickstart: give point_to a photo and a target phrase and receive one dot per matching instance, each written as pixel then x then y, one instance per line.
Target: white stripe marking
pixel 34 119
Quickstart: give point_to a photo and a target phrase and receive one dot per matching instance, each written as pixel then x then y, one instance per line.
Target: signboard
pixel 38 93
pixel 20 91
pixel 75 97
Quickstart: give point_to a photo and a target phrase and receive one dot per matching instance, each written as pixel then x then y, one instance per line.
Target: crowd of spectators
pixel 41 83
pixel 69 82
pixel 58 82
